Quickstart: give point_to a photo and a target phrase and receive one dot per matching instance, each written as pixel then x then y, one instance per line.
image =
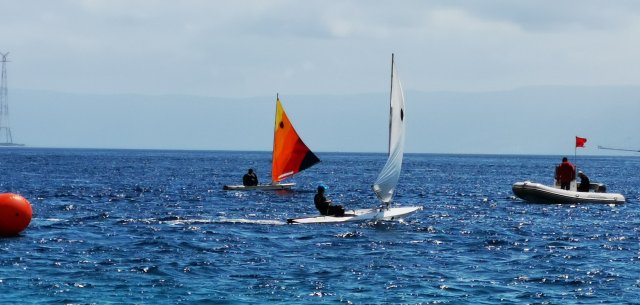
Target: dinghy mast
pixel 391 103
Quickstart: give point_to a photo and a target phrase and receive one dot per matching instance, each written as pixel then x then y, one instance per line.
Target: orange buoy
pixel 15 214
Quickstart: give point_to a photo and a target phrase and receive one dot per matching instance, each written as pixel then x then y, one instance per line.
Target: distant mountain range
pixel 532 120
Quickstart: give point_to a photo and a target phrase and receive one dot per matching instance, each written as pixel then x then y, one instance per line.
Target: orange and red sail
pixel 290 154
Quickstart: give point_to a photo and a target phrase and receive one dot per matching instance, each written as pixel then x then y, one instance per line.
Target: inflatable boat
pixel 539 193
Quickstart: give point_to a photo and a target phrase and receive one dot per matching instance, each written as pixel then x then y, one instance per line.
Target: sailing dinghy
pixel 385 185
pixel 290 155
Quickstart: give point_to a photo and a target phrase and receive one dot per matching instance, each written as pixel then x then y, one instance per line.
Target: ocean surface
pixel 155 227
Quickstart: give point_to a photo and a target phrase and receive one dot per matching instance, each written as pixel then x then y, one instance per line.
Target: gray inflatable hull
pixel 539 193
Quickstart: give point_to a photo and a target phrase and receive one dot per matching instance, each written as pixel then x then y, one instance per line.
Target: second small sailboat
pixel 290 154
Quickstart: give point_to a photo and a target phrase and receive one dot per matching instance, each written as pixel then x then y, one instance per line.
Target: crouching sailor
pixel 324 205
pixel 250 178
pixel 585 184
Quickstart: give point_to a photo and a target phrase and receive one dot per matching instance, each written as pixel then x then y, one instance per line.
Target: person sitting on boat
pixel 585 184
pixel 565 173
pixel 324 205
pixel 250 178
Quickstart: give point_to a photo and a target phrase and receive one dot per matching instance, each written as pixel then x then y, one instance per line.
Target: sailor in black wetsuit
pixel 250 178
pixel 324 205
pixel 585 184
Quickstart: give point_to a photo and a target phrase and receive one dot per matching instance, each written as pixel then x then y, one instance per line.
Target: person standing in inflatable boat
pixel 565 173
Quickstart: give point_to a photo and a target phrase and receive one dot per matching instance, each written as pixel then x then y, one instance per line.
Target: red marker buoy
pixel 15 214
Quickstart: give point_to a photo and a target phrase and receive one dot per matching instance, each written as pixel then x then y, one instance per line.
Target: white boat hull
pixel 262 187
pixel 359 216
pixel 539 193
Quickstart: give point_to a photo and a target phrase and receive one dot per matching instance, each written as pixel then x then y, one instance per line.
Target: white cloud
pixel 455 21
pixel 239 47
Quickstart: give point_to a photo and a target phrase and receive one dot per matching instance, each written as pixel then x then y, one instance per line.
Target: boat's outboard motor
pixel 598 187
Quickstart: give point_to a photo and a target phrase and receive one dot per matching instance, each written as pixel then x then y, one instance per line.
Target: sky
pixel 245 49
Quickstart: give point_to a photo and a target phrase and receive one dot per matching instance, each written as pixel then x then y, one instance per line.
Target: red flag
pixel 580 141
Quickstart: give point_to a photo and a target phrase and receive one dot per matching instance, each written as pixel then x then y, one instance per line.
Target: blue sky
pixel 253 49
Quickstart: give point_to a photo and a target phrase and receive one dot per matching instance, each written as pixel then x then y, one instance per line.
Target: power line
pixel 621 149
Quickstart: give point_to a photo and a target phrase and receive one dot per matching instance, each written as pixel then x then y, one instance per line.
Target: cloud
pixel 551 16
pixel 251 47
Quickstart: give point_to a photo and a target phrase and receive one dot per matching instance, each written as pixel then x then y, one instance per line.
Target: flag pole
pixel 579 143
pixel 575 158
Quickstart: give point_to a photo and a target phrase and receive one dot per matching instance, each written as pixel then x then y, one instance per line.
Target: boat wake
pixel 177 221
pixel 250 221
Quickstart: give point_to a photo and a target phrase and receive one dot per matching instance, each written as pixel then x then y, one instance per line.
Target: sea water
pixel 156 227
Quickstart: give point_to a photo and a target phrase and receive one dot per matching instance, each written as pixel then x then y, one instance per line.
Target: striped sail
pixel 290 154
pixel 385 184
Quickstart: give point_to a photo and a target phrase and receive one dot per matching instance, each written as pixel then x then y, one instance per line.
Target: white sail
pixel 385 184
